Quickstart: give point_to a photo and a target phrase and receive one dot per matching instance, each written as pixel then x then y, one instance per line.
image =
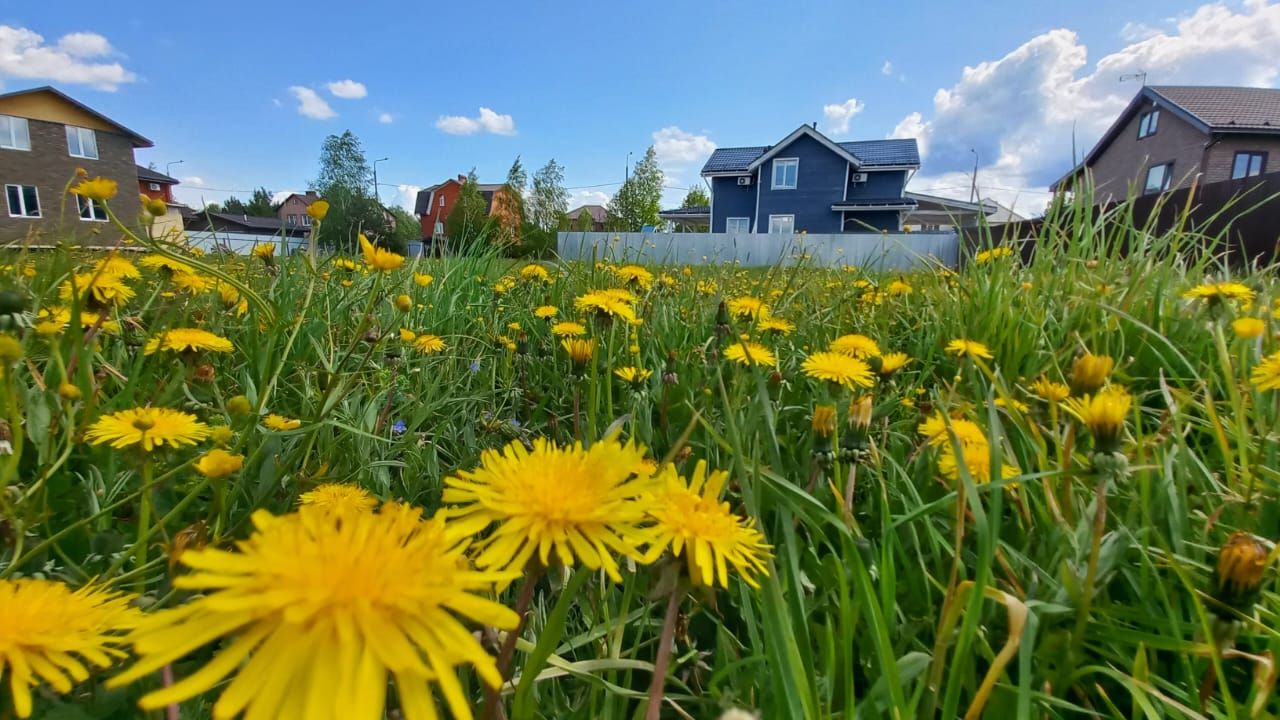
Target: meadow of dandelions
pixel 371 486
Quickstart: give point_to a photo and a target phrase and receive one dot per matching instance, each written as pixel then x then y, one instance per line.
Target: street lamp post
pixel 376 195
pixel 170 164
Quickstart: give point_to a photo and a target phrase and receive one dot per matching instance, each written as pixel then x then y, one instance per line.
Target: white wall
pixel 238 243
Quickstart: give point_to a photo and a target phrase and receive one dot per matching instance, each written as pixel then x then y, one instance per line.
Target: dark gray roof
pixel 1227 108
pixel 146 174
pixel 872 203
pixel 598 213
pixel 872 153
pixel 250 222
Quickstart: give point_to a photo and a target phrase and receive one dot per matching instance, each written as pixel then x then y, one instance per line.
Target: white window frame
pixel 11 142
pixel 442 201
pixel 789 218
pixel 23 201
pixel 1148 123
pixel 93 206
pixel 743 222
pixel 1165 183
pixel 155 187
pixel 781 163
pixel 80 134
pixel 291 220
pixel 306 220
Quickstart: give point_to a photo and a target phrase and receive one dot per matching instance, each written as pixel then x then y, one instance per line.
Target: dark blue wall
pixel 729 200
pixel 819 183
pixel 882 184
pixel 877 219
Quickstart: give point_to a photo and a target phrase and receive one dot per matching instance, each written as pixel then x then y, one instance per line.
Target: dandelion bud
pixel 10 349
pixel 221 435
pixel 1104 414
pixel 824 420
pixel 669 375
pixel 860 414
pixel 1237 578
pixel 69 392
pixel 239 405
pixel 1248 328
pixel 154 207
pixel 580 352
pixel 1089 372
pixel 403 303
pixel 205 373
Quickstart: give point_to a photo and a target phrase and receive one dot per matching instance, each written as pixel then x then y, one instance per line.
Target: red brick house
pixel 293 210
pixel 436 202
pixel 154 185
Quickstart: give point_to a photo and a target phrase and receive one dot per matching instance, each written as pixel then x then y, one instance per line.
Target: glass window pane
pixel 1255 164
pixel 15 199
pixel 6 131
pixel 31 200
pixel 1155 179
pixel 1241 166
pixel 1155 121
pixel 89 141
pixel 21 134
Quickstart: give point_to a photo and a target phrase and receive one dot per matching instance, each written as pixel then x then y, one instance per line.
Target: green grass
pixel 897 607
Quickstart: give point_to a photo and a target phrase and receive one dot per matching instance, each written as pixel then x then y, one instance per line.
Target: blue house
pixel 808 182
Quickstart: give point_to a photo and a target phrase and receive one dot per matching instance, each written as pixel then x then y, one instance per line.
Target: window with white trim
pixel 441 201
pixel 782 224
pixel 737 225
pixel 306 220
pixel 1248 164
pixel 24 200
pixel 785 173
pixel 91 209
pixel 292 220
pixel 154 186
pixel 82 143
pixel 1147 124
pixel 14 133
pixel 1159 178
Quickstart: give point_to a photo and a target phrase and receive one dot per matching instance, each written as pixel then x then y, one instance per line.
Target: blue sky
pixel 222 87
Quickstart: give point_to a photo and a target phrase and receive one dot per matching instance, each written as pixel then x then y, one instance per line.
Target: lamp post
pixel 376 195
pixel 168 165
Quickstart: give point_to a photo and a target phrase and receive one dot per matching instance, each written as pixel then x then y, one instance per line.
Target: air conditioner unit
pixel 744 180
pixel 858 177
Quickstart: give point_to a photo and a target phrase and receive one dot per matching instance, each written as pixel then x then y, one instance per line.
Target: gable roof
pixel 422 202
pixel 146 174
pixel 1226 109
pixel 598 213
pixel 796 135
pixel 870 155
pixel 137 140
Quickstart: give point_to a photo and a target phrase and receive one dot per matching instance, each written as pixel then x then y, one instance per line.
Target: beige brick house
pixel 45 136
pixel 1171 136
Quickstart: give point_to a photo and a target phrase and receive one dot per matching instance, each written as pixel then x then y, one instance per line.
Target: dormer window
pixel 1147 124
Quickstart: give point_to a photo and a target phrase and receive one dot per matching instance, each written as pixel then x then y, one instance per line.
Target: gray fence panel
pixel 891 251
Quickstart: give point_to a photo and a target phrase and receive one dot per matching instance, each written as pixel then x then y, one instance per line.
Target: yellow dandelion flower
pixel 891 363
pixel 859 346
pixel 535 273
pixel 692 521
pixel 605 304
pixel 346 265
pixel 407 335
pixel 1104 414
pixel 583 505
pixel 193 283
pixel 546 312
pixel 280 423
pixel 339 498
pixel 1050 391
pixel 568 329
pixel 183 340
pixel 1213 293
pixel 1089 372
pixel 824 420
pixel 1248 328
pixel 963 348
pixel 838 368
pixel 580 351
pixel 98 289
pixel 318 209
pixel 633 375
pixel 776 325
pixel 377 258
pixel 747 307
pixel 422 279
pixel 218 463
pixel 148 427
pixel 98 189
pixel 1266 374
pixel 750 353
pixel 429 344
pixel 899 287
pixel 317 611
pixel 264 251
pixel 1012 404
pixel 160 262
pixel 967 432
pixel 49 632
pixel 113 264
pixel 993 254
pixel 634 275
pixel 1237 576
pixel 976 459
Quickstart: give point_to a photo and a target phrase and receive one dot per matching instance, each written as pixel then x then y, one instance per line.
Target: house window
pixel 441 201
pixel 1248 164
pixel 91 210
pixel 14 134
pixel 306 220
pixel 1147 124
pixel 785 171
pixel 82 143
pixel 1158 178
pixel 292 220
pixel 782 224
pixel 737 225
pixel 154 186
pixel 24 200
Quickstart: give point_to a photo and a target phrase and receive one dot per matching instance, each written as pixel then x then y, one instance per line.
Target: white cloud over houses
pixel 347 89
pixel 487 121
pixel 406 196
pixel 310 104
pixel 1023 113
pixel 578 198
pixel 677 148
pixel 79 58
pixel 838 115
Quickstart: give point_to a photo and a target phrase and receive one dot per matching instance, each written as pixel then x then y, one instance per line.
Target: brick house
pixel 434 204
pixel 293 210
pixel 597 213
pixel 1171 136
pixel 45 136
pixel 155 185
pixel 158 186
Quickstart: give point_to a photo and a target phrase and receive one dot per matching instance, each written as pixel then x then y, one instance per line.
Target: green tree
pixel 343 164
pixel 468 222
pixel 260 204
pixel 548 201
pixel 343 180
pixel 639 200
pixel 586 223
pixel 212 207
pixel 696 198
pixel 405 229
pixel 234 206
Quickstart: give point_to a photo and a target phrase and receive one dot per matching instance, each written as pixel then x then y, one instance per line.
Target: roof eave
pixel 795 135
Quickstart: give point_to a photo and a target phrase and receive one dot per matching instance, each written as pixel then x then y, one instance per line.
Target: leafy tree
pixel 260 204
pixel 468 222
pixel 548 201
pixel 406 228
pixel 509 207
pixel 697 198
pixel 586 223
pixel 212 207
pixel 234 206
pixel 639 200
pixel 343 164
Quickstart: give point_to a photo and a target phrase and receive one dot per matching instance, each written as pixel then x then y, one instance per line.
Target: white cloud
pixel 277 102
pixel 676 148
pixel 406 196
pixel 487 121
pixel 886 68
pixel 279 196
pixel 1021 112
pixel 386 118
pixel 1133 32
pixel 578 198
pixel 347 89
pixel 838 115
pixel 193 180
pixel 310 104
pixel 24 54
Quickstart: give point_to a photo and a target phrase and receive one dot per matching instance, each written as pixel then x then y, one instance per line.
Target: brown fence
pixel 1243 214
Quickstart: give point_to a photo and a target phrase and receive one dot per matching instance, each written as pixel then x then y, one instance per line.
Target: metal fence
pixel 887 251
pixel 239 243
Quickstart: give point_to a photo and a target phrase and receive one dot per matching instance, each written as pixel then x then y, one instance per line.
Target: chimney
pixel 815 124
pixel 462 178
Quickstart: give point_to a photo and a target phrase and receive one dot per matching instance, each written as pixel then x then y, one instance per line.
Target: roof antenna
pixel 1141 76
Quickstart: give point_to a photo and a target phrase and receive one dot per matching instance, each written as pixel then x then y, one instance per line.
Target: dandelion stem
pixel 493 696
pixel 144 523
pixel 665 641
pixel 1091 573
